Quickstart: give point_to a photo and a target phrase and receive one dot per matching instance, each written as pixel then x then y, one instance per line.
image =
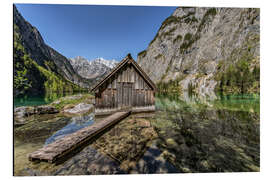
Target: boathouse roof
pixel 127 60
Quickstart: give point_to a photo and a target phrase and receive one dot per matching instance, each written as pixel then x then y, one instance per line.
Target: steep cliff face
pixel 94 69
pixel 46 57
pixel 195 47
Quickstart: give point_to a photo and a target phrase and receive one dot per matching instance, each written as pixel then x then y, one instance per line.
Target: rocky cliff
pixel 36 63
pixel 205 49
pixel 94 69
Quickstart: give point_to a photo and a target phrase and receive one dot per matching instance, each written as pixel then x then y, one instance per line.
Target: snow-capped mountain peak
pixel 92 69
pixel 110 63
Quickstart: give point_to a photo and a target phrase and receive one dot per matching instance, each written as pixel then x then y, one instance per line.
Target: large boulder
pixel 79 109
pixel 25 111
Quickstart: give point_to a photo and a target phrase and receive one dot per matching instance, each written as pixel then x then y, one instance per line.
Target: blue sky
pixel 92 31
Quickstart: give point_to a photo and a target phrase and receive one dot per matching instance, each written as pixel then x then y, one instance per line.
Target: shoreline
pixel 73 105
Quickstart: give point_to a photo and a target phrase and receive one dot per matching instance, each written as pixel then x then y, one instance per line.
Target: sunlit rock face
pixel 193 44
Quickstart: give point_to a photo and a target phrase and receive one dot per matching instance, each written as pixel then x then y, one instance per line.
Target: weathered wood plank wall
pixel 126 88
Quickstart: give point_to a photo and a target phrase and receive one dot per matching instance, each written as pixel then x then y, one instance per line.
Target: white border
pixel 6 82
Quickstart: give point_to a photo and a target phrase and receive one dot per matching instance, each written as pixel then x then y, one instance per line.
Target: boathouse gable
pixel 125 87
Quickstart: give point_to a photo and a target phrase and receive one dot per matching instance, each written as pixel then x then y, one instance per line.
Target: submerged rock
pixel 171 142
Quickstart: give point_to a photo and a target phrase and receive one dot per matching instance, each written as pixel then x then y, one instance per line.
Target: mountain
pixel 38 68
pixel 206 50
pixel 94 69
pixel 109 63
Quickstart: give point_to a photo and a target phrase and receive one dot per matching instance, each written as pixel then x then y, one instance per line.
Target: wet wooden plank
pixel 65 145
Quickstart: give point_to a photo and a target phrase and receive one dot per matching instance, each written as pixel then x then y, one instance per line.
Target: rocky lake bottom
pixel 185 134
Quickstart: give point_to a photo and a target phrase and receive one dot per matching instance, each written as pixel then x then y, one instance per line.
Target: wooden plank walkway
pixel 65 145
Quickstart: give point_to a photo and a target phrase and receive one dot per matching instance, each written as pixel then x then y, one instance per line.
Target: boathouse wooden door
pixel 124 95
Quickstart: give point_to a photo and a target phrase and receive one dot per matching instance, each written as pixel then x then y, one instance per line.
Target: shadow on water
pixel 153 162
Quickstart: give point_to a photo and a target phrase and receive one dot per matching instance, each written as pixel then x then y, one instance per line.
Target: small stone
pixel 186 170
pixel 171 142
pixel 56 102
pixel 205 164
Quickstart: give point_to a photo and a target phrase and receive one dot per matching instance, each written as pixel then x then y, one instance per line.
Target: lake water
pixel 194 134
pixel 202 134
pixel 41 99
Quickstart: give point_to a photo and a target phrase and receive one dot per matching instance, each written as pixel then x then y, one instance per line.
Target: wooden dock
pixel 67 144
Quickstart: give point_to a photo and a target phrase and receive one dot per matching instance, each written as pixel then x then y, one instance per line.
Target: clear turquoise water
pixel 209 134
pixel 39 100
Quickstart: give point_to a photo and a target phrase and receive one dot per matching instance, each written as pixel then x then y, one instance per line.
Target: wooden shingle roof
pixel 127 59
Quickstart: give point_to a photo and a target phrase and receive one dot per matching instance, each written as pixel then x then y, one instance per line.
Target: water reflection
pixel 76 124
pixel 190 98
pixel 28 100
pixel 236 102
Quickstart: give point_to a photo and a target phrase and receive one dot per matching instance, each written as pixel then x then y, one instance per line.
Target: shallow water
pixel 201 135
pixel 193 134
pixel 41 130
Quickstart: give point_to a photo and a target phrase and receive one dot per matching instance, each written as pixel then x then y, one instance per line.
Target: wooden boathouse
pixel 126 87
